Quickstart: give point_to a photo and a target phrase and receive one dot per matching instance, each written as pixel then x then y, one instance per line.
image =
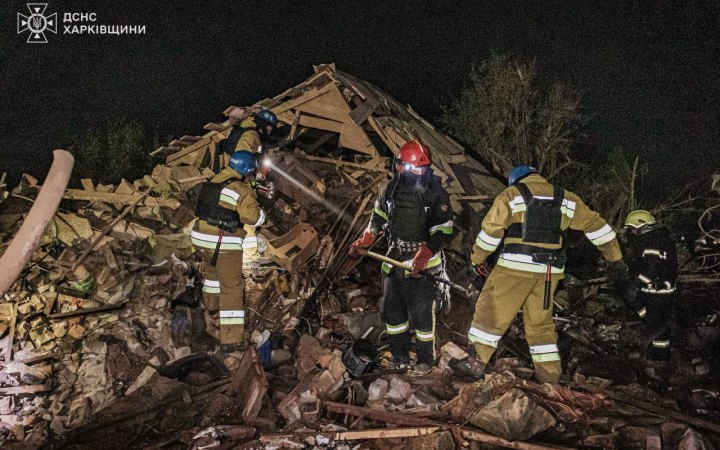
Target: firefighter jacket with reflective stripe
pixel 236 196
pixel 411 215
pixel 652 259
pixel 509 208
pixel 249 141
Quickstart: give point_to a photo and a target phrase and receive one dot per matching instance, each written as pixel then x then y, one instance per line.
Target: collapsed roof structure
pixel 103 341
pixel 333 110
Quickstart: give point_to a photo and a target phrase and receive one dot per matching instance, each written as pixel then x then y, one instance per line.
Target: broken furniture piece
pixel 294 248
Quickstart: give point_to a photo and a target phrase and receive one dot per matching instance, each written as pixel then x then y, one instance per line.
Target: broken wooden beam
pixel 655 409
pixel 398 419
pixel 373 414
pixel 385 433
pixel 83 312
pixel 479 436
pixel 124 199
pixel 26 389
pixel 375 165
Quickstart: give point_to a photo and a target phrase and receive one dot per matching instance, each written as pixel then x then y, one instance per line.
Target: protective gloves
pixel 420 261
pixel 478 273
pixel 365 241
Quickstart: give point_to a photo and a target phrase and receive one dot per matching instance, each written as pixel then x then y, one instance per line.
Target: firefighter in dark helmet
pixel 226 203
pixel 413 210
pixel 526 223
pixel 249 135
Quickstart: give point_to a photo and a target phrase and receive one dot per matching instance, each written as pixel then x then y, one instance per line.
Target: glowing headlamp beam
pixel 329 205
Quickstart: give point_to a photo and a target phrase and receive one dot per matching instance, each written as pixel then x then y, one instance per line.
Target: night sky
pixel 649 71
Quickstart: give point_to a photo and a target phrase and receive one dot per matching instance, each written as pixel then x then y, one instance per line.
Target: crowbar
pixel 406 267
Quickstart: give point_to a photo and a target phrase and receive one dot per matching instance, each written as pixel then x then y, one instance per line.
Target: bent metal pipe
pixel 46 203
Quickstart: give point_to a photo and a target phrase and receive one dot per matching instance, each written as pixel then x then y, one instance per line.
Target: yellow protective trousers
pixel 503 295
pixel 224 289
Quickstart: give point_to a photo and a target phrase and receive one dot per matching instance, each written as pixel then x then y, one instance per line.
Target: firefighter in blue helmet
pixel 249 135
pixel 225 204
pixel 527 224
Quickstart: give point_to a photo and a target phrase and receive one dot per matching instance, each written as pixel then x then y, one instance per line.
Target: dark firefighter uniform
pixel 412 215
pixel 652 259
pixel 232 202
pixel 413 210
pixel 527 236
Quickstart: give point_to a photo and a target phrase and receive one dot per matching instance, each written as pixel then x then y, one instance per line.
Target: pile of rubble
pixel 103 339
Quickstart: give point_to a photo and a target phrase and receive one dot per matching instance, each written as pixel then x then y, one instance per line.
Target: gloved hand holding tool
pixel 478 273
pixel 408 268
pixel 366 240
pixel 420 261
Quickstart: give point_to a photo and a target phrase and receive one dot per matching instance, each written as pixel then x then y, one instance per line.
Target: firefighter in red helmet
pixel 413 211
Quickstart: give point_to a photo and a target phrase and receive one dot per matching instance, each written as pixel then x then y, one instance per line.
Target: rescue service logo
pixel 37 23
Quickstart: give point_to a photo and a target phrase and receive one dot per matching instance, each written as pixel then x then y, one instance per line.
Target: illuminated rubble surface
pixel 106 344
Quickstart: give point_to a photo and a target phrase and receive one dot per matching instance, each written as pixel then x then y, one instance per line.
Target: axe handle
pixel 399 265
pixel 385 259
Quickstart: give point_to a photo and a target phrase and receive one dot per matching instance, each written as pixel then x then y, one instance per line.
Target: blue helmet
pixel 266 117
pixel 243 162
pixel 517 173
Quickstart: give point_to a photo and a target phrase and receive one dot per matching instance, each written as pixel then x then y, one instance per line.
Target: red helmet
pixel 414 153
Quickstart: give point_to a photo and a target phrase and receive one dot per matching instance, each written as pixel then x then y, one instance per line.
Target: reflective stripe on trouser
pixel 502 296
pixel 230 299
pixel 405 298
pixel 211 286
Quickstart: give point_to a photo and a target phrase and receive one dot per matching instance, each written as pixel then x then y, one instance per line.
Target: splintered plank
pixel 109 257
pixel 360 114
pixel 384 433
pixel 249 385
pixel 187 150
pixel 124 199
pixel 320 123
pixel 164 151
pixel 213 126
pixel 190 139
pixel 304 98
pixel 383 135
pixel 26 389
pixel 8 313
pixel 87 184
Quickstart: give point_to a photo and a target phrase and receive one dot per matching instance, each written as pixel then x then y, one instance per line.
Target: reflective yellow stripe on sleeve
pixel 380 213
pixel 601 236
pixel 487 242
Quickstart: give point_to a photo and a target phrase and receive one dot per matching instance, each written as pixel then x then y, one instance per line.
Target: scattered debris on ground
pixel 104 339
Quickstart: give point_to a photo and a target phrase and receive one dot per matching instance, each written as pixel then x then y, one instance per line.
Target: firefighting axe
pixel 399 265
pixel 549 260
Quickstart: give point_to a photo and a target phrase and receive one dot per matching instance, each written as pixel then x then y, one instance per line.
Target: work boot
pixel 469 366
pixel 658 370
pixel 226 349
pixel 420 370
pixel 399 363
